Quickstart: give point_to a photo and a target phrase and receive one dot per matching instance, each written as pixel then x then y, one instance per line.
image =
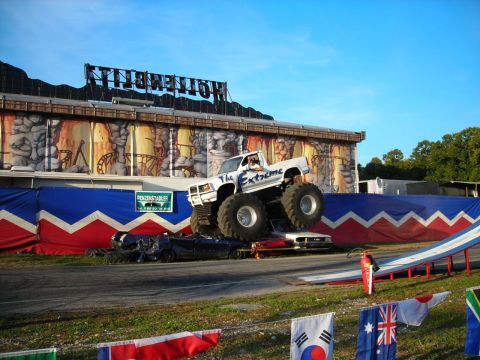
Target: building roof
pixel 103 110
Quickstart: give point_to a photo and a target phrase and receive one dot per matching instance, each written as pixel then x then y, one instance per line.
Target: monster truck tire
pixel 303 204
pixel 242 216
pixel 194 222
pixel 121 256
pixel 206 230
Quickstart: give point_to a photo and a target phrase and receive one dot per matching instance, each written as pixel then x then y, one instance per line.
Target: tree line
pixel 454 157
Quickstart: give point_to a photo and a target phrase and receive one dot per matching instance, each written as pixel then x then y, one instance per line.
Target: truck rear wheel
pixel 197 228
pixel 242 216
pixel 303 204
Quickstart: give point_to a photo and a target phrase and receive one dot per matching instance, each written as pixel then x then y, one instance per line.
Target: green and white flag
pixel 472 343
pixel 40 354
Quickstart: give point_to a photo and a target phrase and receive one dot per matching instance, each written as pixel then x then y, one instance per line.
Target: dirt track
pixel 32 290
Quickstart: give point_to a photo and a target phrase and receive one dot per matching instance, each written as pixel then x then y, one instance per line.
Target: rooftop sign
pixel 155 84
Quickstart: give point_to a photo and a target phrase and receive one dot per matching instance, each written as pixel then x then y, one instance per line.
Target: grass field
pixel 261 333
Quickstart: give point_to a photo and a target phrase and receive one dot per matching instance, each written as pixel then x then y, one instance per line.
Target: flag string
pixel 246 326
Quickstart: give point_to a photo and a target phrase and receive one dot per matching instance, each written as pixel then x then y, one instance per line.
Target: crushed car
pixel 168 248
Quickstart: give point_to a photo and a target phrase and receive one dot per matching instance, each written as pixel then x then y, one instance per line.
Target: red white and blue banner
pixel 18 223
pixel 369 218
pixel 59 220
pixel 71 220
pixel 452 245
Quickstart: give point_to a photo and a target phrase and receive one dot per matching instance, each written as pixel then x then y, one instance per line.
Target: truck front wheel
pixel 303 204
pixel 242 216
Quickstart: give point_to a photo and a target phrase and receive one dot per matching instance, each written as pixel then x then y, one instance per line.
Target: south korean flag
pixel 312 337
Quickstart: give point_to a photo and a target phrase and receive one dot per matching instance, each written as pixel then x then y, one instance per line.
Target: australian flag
pixel 377 335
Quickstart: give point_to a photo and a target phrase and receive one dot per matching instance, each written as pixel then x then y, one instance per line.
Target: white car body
pixel 301 239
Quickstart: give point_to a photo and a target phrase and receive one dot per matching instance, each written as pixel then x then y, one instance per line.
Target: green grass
pixel 22 260
pixel 263 333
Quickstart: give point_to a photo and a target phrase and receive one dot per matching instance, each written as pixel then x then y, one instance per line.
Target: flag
pixel 176 346
pixel 472 343
pixel 40 354
pixel 377 336
pixel 312 337
pixel 167 347
pixel 414 311
pixel 120 350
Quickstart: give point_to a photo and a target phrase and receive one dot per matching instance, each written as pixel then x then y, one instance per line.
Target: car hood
pixel 295 235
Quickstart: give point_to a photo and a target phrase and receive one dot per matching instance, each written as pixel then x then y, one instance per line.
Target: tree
pixel 393 157
pixel 421 153
pixel 456 157
pixel 373 169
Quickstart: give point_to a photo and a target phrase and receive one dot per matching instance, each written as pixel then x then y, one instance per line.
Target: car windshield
pixel 230 165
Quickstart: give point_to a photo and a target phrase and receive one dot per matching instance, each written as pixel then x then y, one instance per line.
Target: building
pixel 47 140
pixel 414 187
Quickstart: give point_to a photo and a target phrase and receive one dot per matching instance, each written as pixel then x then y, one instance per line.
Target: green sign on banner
pixel 154 201
pixel 41 354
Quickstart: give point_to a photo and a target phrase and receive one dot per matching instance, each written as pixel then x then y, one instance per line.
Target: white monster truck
pixel 235 202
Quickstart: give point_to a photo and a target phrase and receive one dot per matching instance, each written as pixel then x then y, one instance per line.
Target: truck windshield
pixel 230 165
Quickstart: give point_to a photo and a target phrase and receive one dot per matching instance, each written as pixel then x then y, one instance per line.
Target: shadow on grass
pixel 19 321
pixel 445 352
pixel 85 354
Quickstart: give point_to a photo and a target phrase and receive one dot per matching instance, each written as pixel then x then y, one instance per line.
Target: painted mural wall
pixel 151 149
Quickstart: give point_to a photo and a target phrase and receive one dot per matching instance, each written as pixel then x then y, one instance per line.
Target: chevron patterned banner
pixel 368 218
pixel 56 220
pixel 71 220
pixel 18 225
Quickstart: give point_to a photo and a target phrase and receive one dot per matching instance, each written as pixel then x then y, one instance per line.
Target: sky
pixel 402 71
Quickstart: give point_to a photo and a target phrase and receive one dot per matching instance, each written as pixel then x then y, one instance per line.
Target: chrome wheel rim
pixel 246 216
pixel 308 205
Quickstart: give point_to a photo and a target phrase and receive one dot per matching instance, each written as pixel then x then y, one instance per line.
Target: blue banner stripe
pixel 20 202
pixel 368 206
pixel 74 204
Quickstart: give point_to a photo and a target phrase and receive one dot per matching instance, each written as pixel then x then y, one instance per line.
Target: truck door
pixel 251 179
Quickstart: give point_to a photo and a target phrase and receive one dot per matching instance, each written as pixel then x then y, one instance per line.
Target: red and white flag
pixel 414 311
pixel 312 337
pixel 167 347
pixel 176 346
